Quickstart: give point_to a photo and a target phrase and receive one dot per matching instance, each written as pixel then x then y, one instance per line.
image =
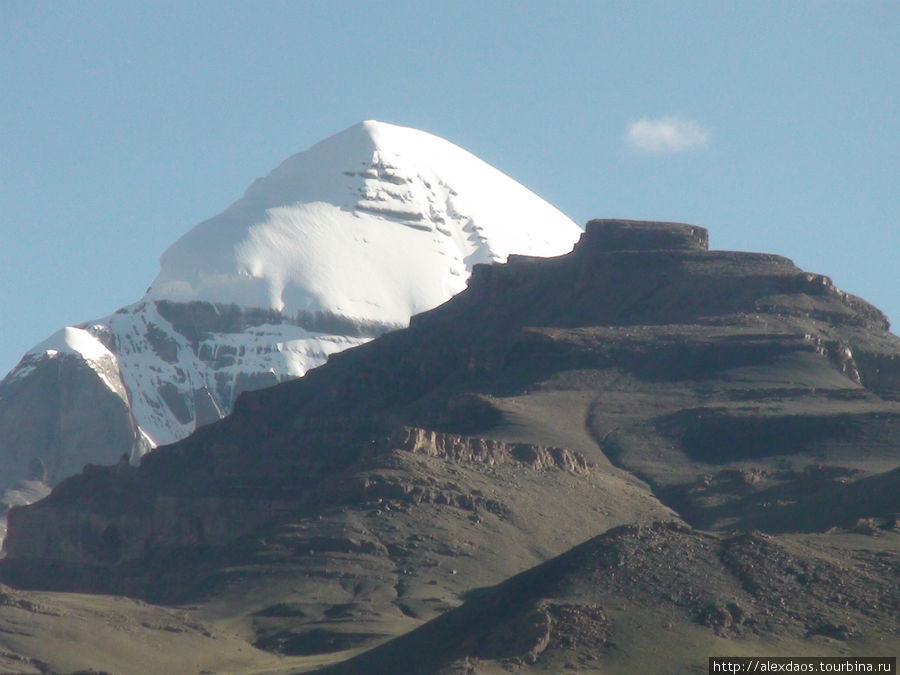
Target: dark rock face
pixel 640 235
pixel 639 378
pixel 58 416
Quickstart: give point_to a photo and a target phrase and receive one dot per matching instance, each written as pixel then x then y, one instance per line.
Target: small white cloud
pixel 666 135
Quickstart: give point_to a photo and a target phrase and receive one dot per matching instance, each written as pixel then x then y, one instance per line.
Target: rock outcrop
pixel 642 235
pixel 457 448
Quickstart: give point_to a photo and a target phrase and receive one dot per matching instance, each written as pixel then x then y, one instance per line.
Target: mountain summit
pixel 374 224
pixel 338 244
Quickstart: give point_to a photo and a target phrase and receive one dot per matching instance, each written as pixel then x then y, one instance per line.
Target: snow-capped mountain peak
pixel 338 244
pixel 376 223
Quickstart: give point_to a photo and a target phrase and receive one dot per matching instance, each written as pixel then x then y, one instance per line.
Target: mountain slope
pixel 662 598
pixel 640 378
pixel 338 244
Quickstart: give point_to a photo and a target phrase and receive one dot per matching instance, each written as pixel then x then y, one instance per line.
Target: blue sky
pixel 122 124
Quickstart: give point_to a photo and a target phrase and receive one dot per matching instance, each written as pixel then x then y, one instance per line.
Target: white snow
pixel 26 492
pixel 285 350
pixel 72 340
pixel 378 222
